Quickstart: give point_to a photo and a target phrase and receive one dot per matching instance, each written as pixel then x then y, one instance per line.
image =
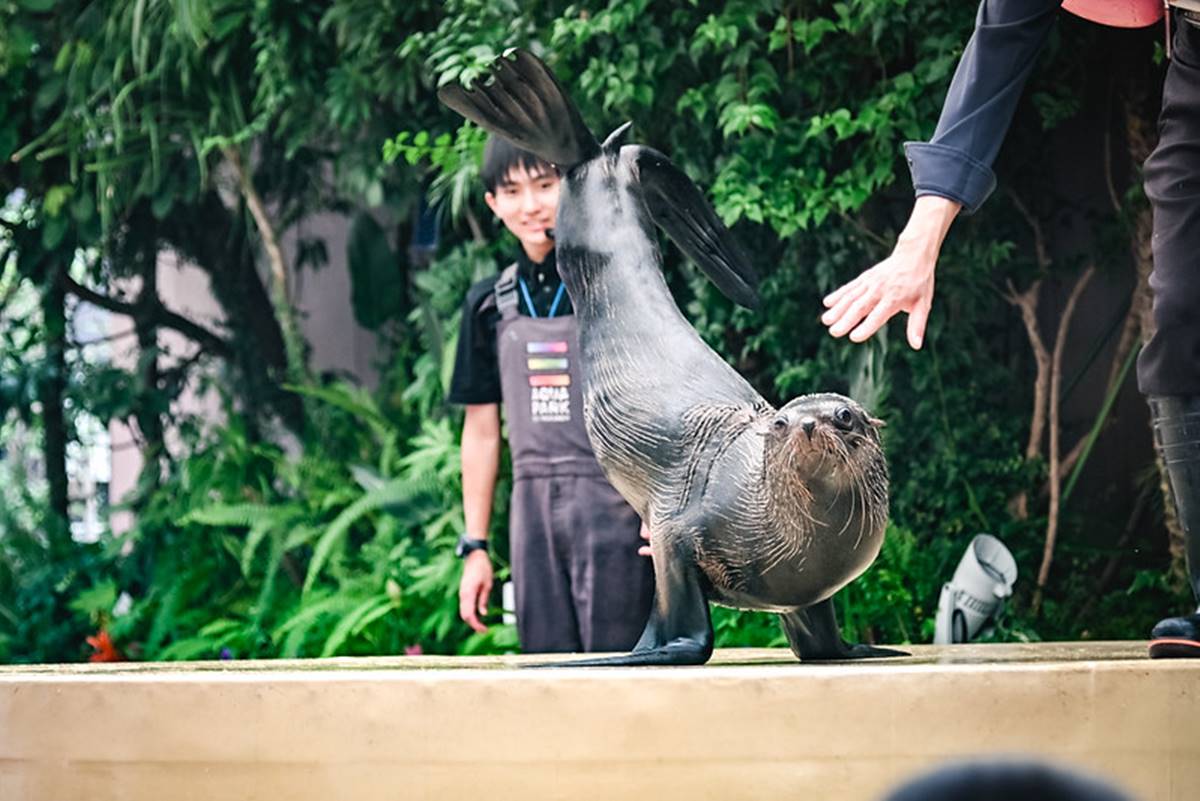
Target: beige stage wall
pixel 753 724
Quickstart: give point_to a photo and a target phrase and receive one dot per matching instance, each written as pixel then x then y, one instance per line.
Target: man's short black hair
pixel 500 157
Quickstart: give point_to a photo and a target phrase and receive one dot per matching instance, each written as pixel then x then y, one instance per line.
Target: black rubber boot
pixel 1177 436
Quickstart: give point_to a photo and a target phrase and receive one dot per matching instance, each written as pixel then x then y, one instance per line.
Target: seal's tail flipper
pixel 522 101
pixel 679 207
pixel 814 636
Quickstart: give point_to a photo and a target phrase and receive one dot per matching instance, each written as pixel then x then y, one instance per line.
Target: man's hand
pixel 644 550
pixel 474 588
pixel 903 282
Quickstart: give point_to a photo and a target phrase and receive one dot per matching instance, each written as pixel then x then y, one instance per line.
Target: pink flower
pixel 413 650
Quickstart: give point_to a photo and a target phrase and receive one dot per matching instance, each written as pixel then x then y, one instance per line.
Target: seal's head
pixel 826 438
pixel 825 426
pixel 824 469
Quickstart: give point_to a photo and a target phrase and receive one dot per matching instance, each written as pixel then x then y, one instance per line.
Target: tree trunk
pixel 148 413
pixel 51 390
pixel 216 241
pixel 280 289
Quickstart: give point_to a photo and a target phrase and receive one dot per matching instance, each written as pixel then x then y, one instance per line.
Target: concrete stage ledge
pixel 752 724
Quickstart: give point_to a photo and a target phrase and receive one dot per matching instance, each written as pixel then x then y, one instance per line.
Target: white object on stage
pixel 983 579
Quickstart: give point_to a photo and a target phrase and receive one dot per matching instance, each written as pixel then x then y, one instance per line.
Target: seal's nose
pixel 808 424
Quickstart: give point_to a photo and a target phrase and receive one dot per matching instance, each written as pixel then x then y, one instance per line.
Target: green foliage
pixel 120 123
pixel 302 556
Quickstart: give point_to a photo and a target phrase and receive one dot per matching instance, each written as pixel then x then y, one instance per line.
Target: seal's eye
pixel 843 418
pixel 779 424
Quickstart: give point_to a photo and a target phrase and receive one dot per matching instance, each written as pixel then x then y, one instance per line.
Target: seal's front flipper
pixel 679 207
pixel 814 636
pixel 679 631
pixel 522 101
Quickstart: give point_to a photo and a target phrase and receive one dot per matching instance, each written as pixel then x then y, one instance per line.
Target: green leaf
pixel 348 398
pixel 258 532
pixel 400 491
pixel 362 615
pixel 56 197
pixel 241 515
pixel 295 629
pixel 97 601
pixel 54 230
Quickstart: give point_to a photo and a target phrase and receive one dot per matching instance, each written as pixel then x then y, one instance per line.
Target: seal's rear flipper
pixel 523 102
pixel 679 631
pixel 814 636
pixel 680 208
pixel 676 652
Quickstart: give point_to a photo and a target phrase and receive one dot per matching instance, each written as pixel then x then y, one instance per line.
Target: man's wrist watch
pixel 467 544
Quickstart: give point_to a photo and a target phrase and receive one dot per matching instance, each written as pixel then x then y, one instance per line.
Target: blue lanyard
pixel 529 301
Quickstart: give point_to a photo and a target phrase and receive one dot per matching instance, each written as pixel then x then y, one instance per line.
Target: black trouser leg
pixel 541 572
pixel 1169 365
pixel 1176 423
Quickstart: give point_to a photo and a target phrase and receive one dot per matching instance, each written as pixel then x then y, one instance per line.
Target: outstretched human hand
pixel 903 282
pixel 474 588
pixel 644 550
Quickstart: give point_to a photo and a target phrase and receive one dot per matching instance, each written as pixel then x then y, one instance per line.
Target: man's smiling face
pixel 526 201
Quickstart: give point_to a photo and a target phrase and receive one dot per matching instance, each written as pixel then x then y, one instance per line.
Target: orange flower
pixel 105 650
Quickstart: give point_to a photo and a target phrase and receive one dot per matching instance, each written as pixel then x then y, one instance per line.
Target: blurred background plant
pixel 317 517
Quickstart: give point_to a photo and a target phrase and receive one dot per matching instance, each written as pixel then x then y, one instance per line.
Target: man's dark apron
pixel 580 583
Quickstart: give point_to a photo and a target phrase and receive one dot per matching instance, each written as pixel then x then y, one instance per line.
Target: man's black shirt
pixel 476 376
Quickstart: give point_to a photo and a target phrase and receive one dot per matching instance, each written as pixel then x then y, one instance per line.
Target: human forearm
pixel 928 225
pixel 480 466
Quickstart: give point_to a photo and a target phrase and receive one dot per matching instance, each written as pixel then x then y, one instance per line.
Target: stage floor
pixel 753 723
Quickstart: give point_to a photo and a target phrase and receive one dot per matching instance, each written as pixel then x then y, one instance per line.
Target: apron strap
pixel 506 292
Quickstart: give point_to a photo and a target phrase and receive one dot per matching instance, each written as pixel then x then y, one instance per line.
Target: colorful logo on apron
pixel 549 381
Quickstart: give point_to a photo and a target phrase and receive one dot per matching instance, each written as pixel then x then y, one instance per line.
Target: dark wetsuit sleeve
pixel 957 162
pixel 476 377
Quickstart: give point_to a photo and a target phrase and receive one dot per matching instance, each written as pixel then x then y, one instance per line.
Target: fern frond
pixel 361 616
pixel 240 515
pixel 396 495
pixel 357 402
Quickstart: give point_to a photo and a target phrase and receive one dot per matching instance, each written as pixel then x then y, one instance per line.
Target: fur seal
pixel 748 506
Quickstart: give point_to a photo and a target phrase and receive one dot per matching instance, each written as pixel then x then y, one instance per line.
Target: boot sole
pixel 1171 648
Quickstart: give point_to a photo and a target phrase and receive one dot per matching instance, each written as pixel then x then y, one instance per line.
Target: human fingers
pixel 917 319
pixel 485 591
pixel 854 313
pixel 849 288
pixel 466 607
pixel 876 319
pixel 469 603
pixel 852 292
pixel 644 533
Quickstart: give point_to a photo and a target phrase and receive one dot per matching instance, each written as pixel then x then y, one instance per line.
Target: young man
pixel 953 172
pixel 581 584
